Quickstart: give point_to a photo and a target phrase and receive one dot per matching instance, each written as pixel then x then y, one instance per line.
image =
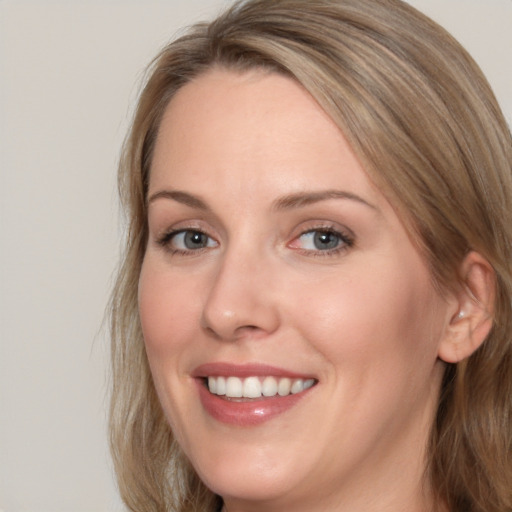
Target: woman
pixel 314 309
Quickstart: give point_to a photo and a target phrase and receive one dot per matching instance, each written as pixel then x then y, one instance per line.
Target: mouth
pixel 255 387
pixel 248 395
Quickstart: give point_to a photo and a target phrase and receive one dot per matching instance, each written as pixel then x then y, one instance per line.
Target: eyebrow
pixel 306 198
pixel 287 202
pixel 181 197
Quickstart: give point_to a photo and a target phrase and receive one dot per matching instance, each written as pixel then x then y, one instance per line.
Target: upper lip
pixel 245 370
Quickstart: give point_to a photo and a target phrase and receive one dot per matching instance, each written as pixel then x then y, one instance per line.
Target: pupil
pixel 195 239
pixel 325 240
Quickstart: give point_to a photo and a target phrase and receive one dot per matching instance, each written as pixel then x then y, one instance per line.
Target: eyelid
pixel 165 225
pixel 165 238
pixel 346 236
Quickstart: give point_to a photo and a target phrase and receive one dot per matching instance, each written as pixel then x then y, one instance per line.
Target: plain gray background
pixel 69 76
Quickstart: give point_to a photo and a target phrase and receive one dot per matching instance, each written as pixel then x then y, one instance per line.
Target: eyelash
pixel 346 241
pixel 166 239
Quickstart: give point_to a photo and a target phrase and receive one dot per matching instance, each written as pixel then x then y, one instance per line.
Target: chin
pixel 249 486
pixel 250 474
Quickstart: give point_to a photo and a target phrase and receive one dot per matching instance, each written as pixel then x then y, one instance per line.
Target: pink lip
pixel 250 412
pixel 244 370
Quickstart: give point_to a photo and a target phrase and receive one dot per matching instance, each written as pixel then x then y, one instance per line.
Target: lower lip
pixel 246 414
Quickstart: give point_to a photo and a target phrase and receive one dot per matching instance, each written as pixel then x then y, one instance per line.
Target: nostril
pixel 246 330
pixel 211 332
pixel 248 327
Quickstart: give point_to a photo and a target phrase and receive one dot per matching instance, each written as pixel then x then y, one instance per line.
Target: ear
pixel 472 318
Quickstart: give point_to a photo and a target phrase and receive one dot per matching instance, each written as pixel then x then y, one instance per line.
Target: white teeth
pixel 284 386
pixel 234 388
pixel 221 386
pixel 297 386
pixel 252 387
pixel 269 386
pixel 212 385
pixel 255 387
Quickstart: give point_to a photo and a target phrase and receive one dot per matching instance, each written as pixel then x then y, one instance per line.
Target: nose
pixel 240 302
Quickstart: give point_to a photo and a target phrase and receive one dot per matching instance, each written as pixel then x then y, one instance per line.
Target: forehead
pixel 251 127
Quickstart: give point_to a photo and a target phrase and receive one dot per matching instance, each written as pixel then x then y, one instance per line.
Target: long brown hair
pixel 424 122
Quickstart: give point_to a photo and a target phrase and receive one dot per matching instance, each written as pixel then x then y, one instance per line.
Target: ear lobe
pixel 470 324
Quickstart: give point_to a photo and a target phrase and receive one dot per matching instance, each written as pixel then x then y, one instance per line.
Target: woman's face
pixel 276 270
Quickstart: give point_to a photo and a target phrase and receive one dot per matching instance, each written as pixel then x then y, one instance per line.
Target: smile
pixel 257 387
pixel 250 394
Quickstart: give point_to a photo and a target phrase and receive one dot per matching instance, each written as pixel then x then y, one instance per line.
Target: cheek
pixel 168 317
pixel 388 314
pixel 168 309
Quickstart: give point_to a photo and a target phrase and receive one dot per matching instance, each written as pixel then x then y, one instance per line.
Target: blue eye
pixel 187 240
pixel 324 240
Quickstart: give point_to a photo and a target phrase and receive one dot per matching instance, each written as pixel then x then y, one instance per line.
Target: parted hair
pixel 427 128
